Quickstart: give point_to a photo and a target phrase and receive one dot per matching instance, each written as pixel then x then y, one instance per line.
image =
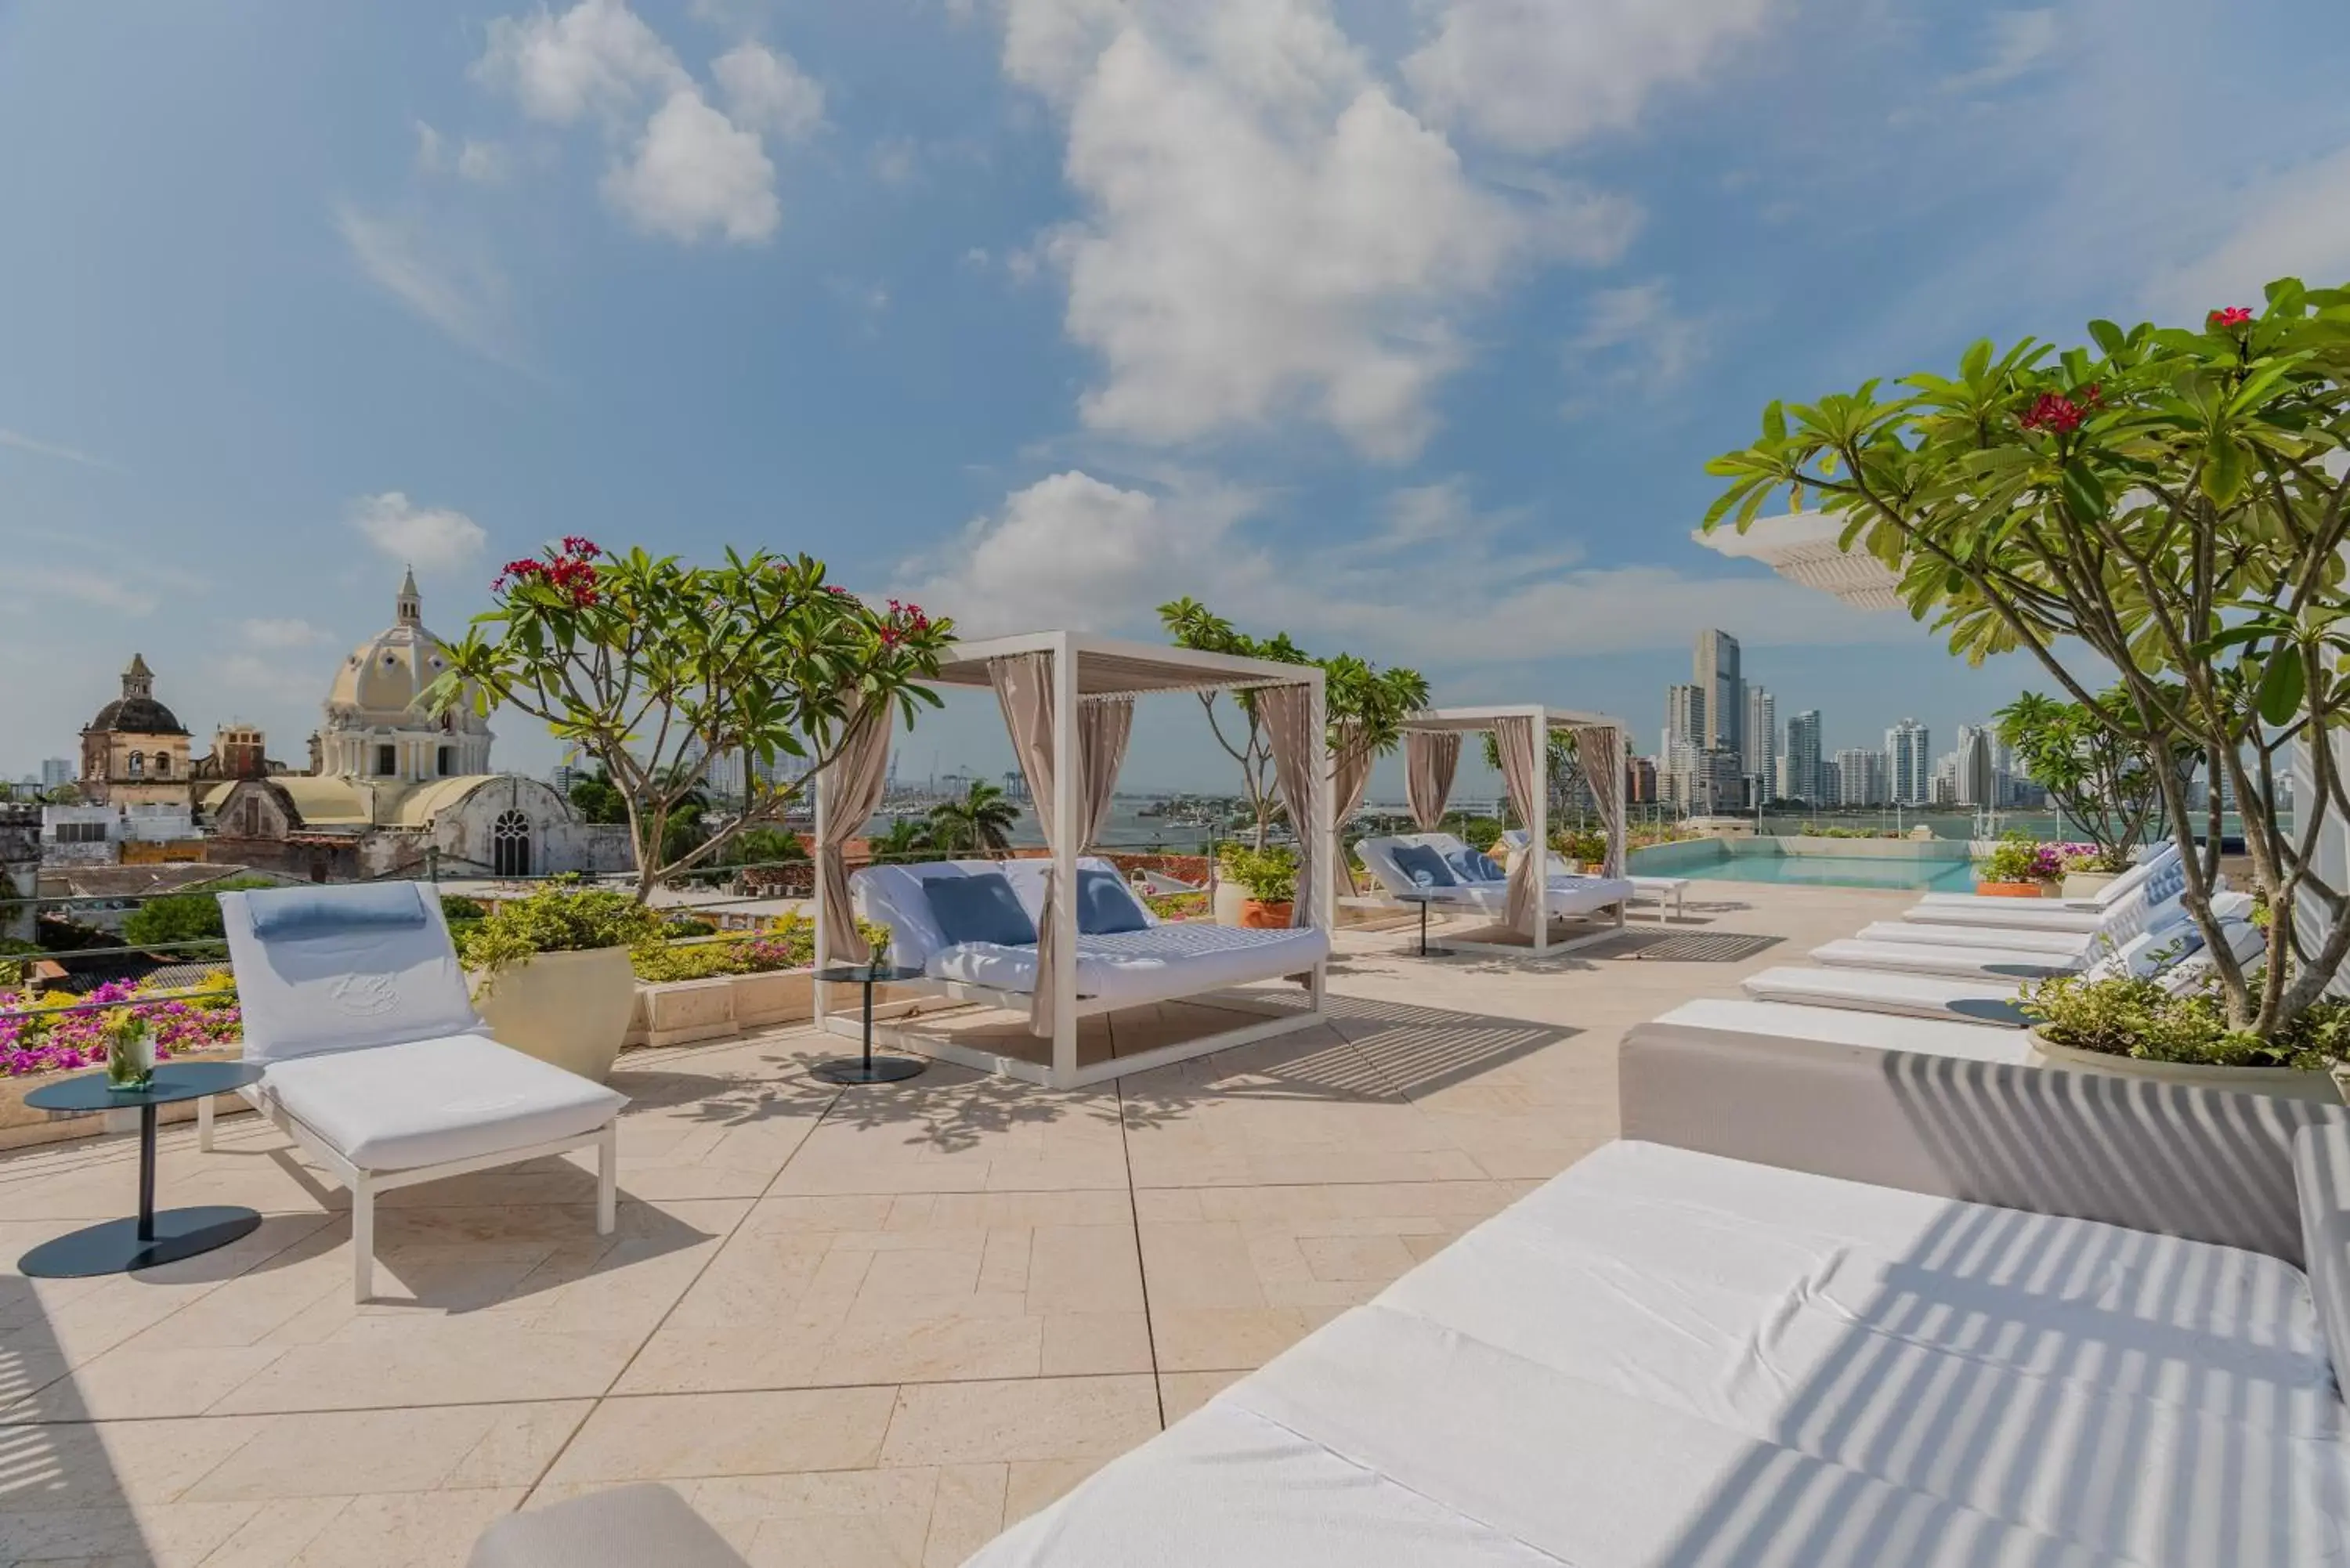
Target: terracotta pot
pixel 571 1009
pixel 2282 1082
pixel 2008 889
pixel 1256 915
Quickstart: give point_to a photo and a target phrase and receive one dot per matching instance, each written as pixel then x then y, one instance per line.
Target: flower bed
pixel 790 943
pixel 64 1041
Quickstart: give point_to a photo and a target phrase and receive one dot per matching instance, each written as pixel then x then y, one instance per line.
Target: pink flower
pixel 2233 315
pixel 2054 411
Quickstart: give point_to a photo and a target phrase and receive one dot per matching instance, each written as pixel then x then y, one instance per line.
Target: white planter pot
pixel 2282 1082
pixel 2086 884
pixel 570 1009
pixel 1230 897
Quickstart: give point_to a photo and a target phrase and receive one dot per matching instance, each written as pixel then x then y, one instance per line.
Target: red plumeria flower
pixel 2233 316
pixel 2054 411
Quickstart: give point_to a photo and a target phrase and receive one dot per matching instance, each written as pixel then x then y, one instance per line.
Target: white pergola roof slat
pixel 1802 547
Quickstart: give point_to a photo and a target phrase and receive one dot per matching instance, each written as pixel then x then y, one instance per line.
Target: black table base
pixel 1425 950
pixel 867 1070
pixel 119 1246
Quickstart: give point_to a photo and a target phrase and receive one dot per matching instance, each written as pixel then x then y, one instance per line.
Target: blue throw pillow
pixel 981 908
pixel 1424 865
pixel 1106 905
pixel 1473 866
pixel 291 914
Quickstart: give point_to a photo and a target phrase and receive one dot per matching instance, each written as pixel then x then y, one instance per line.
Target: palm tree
pixel 981 820
pixel 906 838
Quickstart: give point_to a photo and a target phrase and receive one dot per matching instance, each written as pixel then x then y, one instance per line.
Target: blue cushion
pixel 290 914
pixel 1424 865
pixel 2167 883
pixel 1471 865
pixel 1105 904
pixel 981 908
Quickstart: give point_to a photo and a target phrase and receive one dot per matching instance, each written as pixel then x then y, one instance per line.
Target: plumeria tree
pixel 1363 706
pixel 2099 778
pixel 2170 503
pixel 657 669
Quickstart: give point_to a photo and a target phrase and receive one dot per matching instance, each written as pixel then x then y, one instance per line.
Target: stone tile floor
pixel 865 1326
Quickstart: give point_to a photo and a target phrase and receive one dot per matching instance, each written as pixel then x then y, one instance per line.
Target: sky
pixel 1406 326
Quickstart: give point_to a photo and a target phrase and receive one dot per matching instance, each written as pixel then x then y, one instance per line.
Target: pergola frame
pixel 1085 665
pixel 1482 721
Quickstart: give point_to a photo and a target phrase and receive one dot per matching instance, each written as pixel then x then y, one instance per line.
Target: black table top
pixel 880 975
pixel 1991 1010
pixel 172 1081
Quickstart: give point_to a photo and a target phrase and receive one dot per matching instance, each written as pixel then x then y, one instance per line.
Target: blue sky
pixel 1406 325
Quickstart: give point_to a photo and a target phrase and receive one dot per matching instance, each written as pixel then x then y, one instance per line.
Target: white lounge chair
pixel 376 1063
pixel 1160 885
pixel 1661 890
pixel 2121 907
pixel 1158 962
pixel 1958 963
pixel 1969 952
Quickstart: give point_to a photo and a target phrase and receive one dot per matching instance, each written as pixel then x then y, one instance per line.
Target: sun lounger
pixel 2123 907
pixel 1976 1040
pixel 376 1063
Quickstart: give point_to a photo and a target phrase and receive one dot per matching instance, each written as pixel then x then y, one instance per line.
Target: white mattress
pixel 2020 914
pixel 1875 991
pixel 1126 969
pixel 1957 964
pixel 428 1102
pixel 1664 1358
pixel 2064 944
pixel 1972 1041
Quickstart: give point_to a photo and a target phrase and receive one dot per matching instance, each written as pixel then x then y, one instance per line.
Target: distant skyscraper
pixel 56 771
pixel 1684 720
pixel 1859 776
pixel 1761 739
pixel 1978 782
pixel 1718 675
pixel 1909 762
pixel 1804 777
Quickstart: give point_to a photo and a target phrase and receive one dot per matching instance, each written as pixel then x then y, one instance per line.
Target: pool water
pixel 1836 871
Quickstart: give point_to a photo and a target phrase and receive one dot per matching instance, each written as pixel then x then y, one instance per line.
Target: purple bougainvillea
pixel 62 1041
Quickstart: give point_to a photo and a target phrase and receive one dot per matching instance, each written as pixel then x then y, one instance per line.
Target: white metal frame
pixel 1482 720
pixel 1189 670
pixel 364 1184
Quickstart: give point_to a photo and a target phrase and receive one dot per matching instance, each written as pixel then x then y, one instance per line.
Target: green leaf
pixel 2108 336
pixel 2282 686
pixel 2223 469
pixel 1775 423
pixel 2082 492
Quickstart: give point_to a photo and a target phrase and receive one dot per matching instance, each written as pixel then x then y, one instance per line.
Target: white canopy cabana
pixel 1432 748
pixel 1052 686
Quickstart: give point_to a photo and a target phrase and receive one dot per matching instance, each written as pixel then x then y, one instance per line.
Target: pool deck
pixel 854 1326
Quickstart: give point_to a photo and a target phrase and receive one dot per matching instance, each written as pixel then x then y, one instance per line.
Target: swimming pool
pixel 1934 876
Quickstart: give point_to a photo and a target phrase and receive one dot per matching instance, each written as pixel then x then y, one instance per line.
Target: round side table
pixel 119 1246
pixel 868 1068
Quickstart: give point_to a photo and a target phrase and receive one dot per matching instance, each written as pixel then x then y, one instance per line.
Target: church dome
pixel 390 671
pixel 136 711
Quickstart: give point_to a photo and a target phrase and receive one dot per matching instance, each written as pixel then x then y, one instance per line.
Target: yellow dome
pixel 387 673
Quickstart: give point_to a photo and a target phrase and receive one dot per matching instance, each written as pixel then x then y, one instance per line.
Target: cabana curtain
pixel 1289 715
pixel 1430 757
pixel 1516 740
pixel 1350 775
pixel 1024 688
pixel 1600 749
pixel 850 790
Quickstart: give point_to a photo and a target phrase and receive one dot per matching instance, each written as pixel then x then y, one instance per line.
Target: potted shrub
pixel 1584 850
pixel 552 973
pixel 2087 869
pixel 2014 870
pixel 2135 1029
pixel 1268 877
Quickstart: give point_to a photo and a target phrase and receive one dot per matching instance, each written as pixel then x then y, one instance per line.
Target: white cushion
pixel 428 1102
pixel 345 989
pixel 2064 944
pixel 1958 963
pixel 1878 991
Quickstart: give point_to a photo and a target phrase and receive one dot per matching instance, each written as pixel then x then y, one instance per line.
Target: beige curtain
pixel 1104 725
pixel 851 791
pixel 1600 750
pixel 1517 740
pixel 1350 775
pixel 1287 713
pixel 1024 688
pixel 1429 757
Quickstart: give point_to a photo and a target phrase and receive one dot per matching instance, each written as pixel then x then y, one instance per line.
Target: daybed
pixel 1451 876
pixel 378 1064
pixel 1662 890
pixel 1163 960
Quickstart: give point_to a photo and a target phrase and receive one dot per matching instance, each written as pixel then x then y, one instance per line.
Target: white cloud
pixel 893 159
pixel 429 155
pixel 2292 224
pixel 693 172
pixel 2021 43
pixel 21 442
pixel 263 632
pixel 1267 231
pixel 483 162
pixel 599 57
pixel 432 538
pixel 1535 76
pixel 766 90
pixel 1633 341
pixel 436 275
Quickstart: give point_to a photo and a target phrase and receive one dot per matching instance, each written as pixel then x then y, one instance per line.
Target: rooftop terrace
pixel 854 1326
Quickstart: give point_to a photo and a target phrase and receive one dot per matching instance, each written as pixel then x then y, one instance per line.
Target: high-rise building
pixel 1640 780
pixel 1909 762
pixel 1761 748
pixel 1719 677
pixel 1976 780
pixel 1684 720
pixel 1802 777
pixel 1859 777
pixel 56 771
